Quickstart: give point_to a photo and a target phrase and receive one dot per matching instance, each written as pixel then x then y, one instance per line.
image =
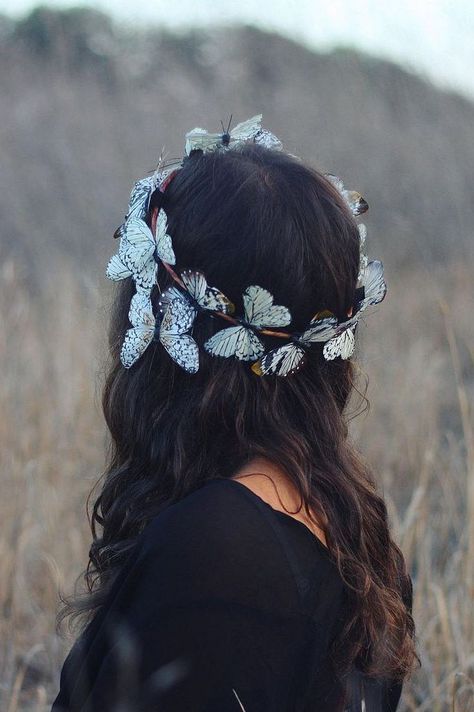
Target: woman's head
pixel 244 217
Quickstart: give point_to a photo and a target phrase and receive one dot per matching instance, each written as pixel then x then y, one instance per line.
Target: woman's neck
pixel 275 487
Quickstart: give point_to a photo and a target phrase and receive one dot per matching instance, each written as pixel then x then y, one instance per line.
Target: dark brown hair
pixel 242 217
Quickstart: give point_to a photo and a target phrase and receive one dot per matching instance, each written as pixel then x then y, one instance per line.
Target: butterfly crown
pixel 141 254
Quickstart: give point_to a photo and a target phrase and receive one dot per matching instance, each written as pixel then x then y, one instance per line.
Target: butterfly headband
pixel 142 254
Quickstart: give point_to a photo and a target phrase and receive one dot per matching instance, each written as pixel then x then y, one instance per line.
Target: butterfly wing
pixel 140 336
pixel 246 130
pixel 202 140
pixel 336 181
pixel 140 198
pixel 260 310
pixel 178 319
pixel 135 343
pixel 352 198
pixel 207 297
pixel 167 297
pixel 136 245
pixel 164 245
pixel 215 300
pixel 235 341
pixel 269 140
pixel 141 311
pixel 116 269
pixel 282 361
pixel 356 202
pixel 374 284
pixel 196 284
pixel 341 345
pixel 363 261
pixel 146 278
pixel 319 330
pixel 183 350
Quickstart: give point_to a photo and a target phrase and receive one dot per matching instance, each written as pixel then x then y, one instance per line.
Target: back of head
pixel 248 216
pixel 253 216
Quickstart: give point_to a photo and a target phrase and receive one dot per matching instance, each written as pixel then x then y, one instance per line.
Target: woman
pixel 241 556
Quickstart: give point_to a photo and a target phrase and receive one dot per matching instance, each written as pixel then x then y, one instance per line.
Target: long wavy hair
pixel 242 217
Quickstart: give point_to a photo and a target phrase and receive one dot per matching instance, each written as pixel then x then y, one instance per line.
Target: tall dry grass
pixel 419 355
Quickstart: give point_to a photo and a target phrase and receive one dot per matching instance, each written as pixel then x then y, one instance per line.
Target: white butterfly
pixel 373 282
pixel 138 249
pixel 200 139
pixel 140 336
pixel 289 358
pixel 354 200
pixel 136 254
pixel 177 320
pixel 206 297
pixel 241 341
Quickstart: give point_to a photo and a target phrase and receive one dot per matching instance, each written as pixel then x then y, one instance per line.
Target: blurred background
pixel 380 95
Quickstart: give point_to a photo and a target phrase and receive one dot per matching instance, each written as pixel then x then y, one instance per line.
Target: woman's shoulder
pixel 223 514
pixel 222 540
pixel 213 521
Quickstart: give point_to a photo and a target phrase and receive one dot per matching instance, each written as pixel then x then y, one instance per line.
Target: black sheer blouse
pixel 225 604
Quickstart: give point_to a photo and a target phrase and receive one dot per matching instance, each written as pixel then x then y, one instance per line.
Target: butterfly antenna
pixel 223 129
pixel 161 158
pixel 228 125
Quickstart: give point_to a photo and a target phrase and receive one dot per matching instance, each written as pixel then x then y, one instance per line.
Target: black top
pixel 226 604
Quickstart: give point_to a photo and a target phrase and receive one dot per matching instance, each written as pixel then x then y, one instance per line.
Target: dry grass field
pixel 418 353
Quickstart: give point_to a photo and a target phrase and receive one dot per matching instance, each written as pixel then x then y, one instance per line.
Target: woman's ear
pixel 154 217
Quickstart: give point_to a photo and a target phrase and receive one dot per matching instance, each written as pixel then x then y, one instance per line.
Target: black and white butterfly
pixel 200 139
pixel 136 254
pixel 374 290
pixel 204 296
pixel 290 357
pixel 138 251
pixel 353 199
pixel 241 340
pixel 139 337
pixel 177 320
